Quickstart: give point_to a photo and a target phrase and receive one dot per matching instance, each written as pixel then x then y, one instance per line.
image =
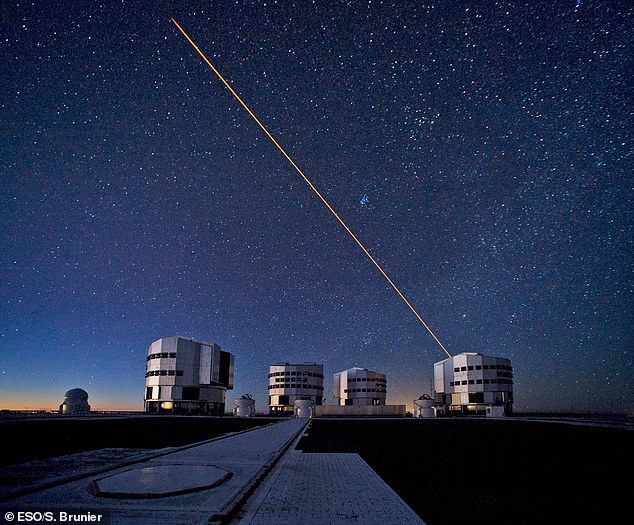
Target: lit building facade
pixel 359 387
pixel 186 376
pixel 472 383
pixel 291 382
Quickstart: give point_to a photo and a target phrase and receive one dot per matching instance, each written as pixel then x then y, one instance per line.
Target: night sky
pixel 482 151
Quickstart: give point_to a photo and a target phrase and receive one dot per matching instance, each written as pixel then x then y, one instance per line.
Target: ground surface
pixel 39 438
pixel 449 471
pixel 457 471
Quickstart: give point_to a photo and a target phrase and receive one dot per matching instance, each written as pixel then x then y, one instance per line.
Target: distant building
pixel 359 387
pixel 472 383
pixel 424 407
pixel 75 403
pixel 244 407
pixel 186 376
pixel 290 382
pixel 360 411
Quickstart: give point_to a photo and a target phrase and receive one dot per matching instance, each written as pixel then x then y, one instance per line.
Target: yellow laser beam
pixel 312 186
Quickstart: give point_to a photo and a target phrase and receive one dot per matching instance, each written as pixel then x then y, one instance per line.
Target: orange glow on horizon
pixel 48 404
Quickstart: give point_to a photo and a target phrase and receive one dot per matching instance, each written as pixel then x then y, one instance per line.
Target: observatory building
pixel 75 403
pixel 185 376
pixel 289 383
pixel 244 407
pixel 359 387
pixel 472 383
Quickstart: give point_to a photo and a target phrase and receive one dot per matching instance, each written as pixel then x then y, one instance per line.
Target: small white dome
pixel 75 402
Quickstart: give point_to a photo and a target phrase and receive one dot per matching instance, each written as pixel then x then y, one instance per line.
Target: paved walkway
pixel 327 489
pixel 248 456
pixel 255 476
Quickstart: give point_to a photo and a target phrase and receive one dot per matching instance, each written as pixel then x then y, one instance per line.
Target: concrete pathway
pixel 253 477
pixel 248 456
pixel 325 489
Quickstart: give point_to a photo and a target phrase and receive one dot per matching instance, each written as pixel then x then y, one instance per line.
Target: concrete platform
pixel 253 477
pixel 248 456
pixel 29 477
pixel 158 481
pixel 316 489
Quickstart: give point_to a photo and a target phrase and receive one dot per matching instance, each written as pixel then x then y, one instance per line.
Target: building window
pixel 478 367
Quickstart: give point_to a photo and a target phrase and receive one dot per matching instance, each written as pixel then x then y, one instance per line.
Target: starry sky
pixel 481 150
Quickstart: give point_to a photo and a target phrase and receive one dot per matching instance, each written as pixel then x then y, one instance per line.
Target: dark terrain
pixel 38 438
pixel 479 471
pixel 449 471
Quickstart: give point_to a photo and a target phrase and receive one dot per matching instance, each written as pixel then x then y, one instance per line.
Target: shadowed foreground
pixel 457 471
pixel 36 438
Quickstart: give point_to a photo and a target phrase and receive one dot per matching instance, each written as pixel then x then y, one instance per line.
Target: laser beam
pixel 312 186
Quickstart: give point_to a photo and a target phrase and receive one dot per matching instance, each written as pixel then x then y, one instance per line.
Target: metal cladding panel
pixel 177 392
pixel 459 360
pixel 169 344
pixel 215 364
pixel 166 392
pixel 231 370
pixel 187 360
pixel 155 347
pixel 206 364
pixel 213 394
pixel 439 377
pixel 337 388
